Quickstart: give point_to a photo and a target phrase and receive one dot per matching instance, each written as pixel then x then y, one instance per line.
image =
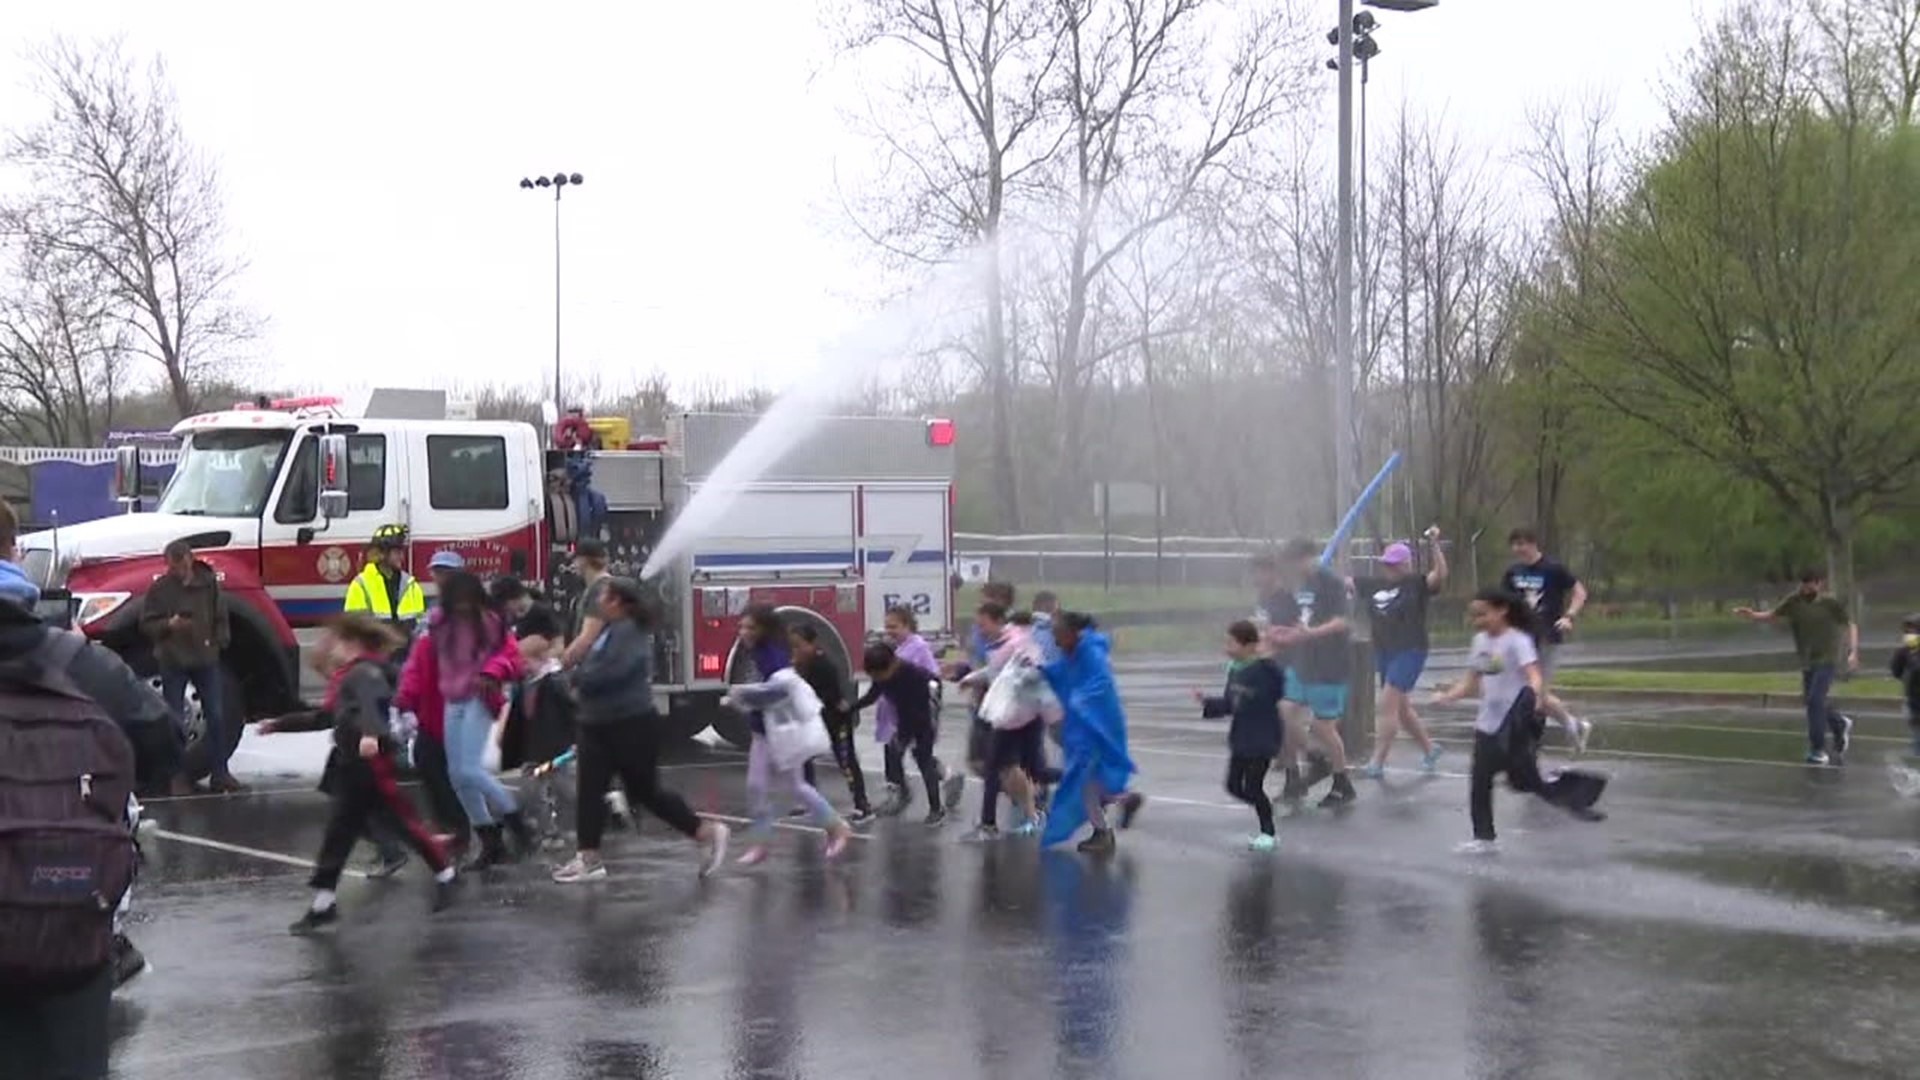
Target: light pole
pixel 558 182
pixel 1346 448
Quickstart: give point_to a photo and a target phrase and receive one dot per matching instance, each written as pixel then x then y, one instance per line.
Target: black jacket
pixel 1906 668
pixel 1252 698
pixel 832 692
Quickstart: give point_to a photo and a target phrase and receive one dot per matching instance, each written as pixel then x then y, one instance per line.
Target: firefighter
pixel 384 579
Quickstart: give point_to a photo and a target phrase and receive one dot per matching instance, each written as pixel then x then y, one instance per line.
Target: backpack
pixel 67 854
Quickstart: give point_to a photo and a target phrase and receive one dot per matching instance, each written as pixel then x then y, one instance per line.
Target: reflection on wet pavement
pixel 1729 920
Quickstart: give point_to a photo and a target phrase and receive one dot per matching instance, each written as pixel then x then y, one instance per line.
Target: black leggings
pixel 630 749
pixel 1247 781
pixel 847 756
pixel 364 792
pixel 430 761
pixel 1518 757
pixel 921 744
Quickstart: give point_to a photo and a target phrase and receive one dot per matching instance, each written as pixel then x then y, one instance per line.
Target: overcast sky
pixel 371 154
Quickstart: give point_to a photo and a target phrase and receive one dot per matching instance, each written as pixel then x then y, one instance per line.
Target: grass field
pixel 1784 683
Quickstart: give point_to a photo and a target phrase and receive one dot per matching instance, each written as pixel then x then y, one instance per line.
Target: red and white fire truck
pixel 282 499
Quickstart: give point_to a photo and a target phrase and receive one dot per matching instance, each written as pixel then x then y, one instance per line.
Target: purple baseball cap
pixel 1396 555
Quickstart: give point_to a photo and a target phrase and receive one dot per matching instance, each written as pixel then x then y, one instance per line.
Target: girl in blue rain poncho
pixel 1093 736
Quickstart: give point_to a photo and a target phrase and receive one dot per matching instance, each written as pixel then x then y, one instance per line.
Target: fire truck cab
pixel 282 500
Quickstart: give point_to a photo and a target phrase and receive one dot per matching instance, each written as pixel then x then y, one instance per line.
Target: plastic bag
pixel 1017 697
pixel 796 733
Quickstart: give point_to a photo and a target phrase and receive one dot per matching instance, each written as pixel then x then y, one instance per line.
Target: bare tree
pixel 1143 99
pixel 62 357
pixel 115 190
pixel 966 126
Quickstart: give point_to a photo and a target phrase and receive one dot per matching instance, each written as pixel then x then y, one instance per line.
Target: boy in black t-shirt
pixel 1556 597
pixel 1308 633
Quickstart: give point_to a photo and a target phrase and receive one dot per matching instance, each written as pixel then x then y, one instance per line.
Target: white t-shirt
pixel 1502 663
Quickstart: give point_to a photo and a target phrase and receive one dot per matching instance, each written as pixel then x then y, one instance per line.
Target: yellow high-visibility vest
pixel 368 593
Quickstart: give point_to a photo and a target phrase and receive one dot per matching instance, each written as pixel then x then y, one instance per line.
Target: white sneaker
pixel 716 849
pixel 579 870
pixel 1478 847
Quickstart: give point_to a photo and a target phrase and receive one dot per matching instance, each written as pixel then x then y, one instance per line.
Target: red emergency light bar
pixel 290 404
pixel 939 433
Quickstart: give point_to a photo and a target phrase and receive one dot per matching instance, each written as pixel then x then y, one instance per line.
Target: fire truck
pixel 282 499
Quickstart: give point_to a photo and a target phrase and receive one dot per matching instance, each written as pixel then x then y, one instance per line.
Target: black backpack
pixel 67 853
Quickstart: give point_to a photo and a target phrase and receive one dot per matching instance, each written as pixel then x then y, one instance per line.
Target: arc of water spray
pixel 1353 512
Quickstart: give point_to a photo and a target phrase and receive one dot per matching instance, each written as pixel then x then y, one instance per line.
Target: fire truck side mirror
pixel 333 476
pixel 126 474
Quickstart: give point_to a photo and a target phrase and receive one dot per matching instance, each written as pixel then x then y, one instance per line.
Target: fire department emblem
pixel 334 565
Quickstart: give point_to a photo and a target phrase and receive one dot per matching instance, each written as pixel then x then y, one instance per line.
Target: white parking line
pixel 239 849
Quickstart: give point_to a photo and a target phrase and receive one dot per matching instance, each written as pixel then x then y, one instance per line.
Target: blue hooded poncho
pixel 1093 734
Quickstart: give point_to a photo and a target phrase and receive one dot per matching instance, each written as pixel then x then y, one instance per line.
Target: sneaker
pixel 1261 842
pixel 861 817
pixel 442 894
pixel 981 834
pixel 1478 847
pixel 1431 759
pixel 1371 771
pixel 1130 805
pixel 128 963
pixel 314 921
pixel 798 812
pixel 1341 794
pixel 1029 826
pixel 952 788
pixel 753 856
pixel 1100 843
pixel 716 844
pixel 935 819
pixel 1842 732
pixel 1577 732
pixel 386 868
pixel 579 870
pixel 837 843
pixel 1816 757
pixel 897 801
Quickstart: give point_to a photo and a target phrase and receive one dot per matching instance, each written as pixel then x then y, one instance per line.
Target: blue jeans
pixel 481 796
pixel 1815 685
pixel 207 682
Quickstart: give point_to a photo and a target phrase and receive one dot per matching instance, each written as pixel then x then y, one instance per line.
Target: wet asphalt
pixel 1739 915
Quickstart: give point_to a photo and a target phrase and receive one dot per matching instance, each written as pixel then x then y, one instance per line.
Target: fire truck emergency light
pixel 939 433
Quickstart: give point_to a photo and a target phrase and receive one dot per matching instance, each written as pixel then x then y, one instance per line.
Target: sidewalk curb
pixel 1708 699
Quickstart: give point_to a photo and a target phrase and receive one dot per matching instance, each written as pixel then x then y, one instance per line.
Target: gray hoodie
pixel 615 680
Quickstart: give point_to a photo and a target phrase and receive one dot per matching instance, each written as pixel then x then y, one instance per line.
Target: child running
pixel 1256 686
pixel 903 632
pixel 1015 740
pixel 903 685
pixel 359 774
pixel 1504 669
pixel 783 699
pixel 620 733
pixel 1906 668
pixel 468 656
pixel 836 710
pixel 1093 734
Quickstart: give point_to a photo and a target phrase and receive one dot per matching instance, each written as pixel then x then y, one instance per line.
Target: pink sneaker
pixel 753 856
pixel 837 842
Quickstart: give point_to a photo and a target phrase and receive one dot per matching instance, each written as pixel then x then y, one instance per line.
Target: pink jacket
pixel 419 689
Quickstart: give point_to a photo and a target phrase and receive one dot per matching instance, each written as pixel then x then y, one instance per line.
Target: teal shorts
pixel 1327 701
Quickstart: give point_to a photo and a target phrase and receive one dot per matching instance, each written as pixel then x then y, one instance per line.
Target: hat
pixel 591 549
pixel 1396 555
pixel 390 536
pixel 446 559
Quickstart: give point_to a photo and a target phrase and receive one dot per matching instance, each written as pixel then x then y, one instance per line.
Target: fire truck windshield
pixel 225 473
